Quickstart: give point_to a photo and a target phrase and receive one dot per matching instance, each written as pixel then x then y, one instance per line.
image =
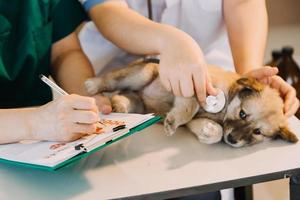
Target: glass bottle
pixel 276 55
pixel 289 70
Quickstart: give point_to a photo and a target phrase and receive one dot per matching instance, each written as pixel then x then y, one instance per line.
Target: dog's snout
pixel 231 139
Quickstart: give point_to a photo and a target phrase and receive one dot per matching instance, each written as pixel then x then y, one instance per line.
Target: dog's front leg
pixel 206 130
pixel 183 110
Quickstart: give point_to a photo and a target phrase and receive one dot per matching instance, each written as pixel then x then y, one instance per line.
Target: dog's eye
pixel 243 115
pixel 257 131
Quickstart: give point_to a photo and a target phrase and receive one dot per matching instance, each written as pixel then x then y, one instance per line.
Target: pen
pixel 52 85
pixel 58 89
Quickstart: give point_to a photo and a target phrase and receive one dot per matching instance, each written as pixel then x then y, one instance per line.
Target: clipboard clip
pixel 82 147
pixel 120 127
pixel 79 147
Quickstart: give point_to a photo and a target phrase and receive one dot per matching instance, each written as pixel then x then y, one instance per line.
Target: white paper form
pixel 52 153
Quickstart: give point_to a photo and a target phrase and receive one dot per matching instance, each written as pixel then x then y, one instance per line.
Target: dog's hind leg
pixel 206 130
pixel 128 102
pixel 132 77
pixel 183 110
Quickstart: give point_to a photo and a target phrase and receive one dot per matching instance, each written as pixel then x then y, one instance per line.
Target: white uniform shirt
pixel 201 19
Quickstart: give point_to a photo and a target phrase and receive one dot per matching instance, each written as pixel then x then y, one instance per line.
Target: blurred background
pixel 284 29
pixel 284 26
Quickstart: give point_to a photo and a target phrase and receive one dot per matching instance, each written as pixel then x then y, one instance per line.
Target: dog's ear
pixel 250 84
pixel 245 87
pixel 285 134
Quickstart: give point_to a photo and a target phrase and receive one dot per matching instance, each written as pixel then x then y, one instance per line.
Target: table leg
pixel 243 193
pixel 295 187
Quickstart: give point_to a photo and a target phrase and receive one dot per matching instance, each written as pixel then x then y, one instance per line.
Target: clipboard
pixel 82 155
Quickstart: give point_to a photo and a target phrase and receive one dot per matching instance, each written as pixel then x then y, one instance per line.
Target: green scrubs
pixel 28 28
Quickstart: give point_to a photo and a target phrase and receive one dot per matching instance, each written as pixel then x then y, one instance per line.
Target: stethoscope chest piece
pixel 214 104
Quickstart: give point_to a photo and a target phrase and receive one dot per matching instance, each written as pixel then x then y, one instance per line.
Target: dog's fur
pixel 252 111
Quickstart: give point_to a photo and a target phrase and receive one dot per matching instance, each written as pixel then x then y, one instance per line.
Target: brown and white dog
pixel 252 111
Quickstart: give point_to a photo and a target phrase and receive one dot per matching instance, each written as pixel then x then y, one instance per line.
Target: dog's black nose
pixel 231 140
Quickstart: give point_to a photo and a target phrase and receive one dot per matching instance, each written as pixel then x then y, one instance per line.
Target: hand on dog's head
pixel 254 111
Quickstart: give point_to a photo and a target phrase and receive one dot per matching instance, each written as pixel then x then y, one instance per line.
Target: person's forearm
pixel 247 25
pixel 70 66
pixel 16 125
pixel 70 72
pixel 130 30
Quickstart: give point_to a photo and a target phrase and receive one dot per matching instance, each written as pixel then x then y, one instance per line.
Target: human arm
pixel 182 67
pixel 70 69
pixel 67 118
pixel 69 66
pixel 247 32
pixel 15 125
pixel 247 23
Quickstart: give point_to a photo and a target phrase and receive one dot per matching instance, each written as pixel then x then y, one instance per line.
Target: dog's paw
pixel 210 133
pixel 91 86
pixel 207 131
pixel 120 104
pixel 120 108
pixel 169 125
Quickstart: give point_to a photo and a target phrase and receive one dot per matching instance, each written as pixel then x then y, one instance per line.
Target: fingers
pixel 83 128
pixel 209 87
pixel 289 98
pixel 68 118
pixel 202 83
pixel 84 113
pixel 265 81
pixel 166 83
pixel 283 87
pixel 186 86
pixel 263 72
pixel 175 84
pixel 182 86
pixel 292 109
pixel 288 93
pixel 200 88
pixel 82 102
pixel 84 117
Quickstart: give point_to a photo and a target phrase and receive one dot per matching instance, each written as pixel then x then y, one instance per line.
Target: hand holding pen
pixel 66 118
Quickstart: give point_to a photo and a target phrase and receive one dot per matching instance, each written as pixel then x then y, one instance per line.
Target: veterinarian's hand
pixel 183 70
pixel 103 103
pixel 65 119
pixel 267 75
pixel 288 93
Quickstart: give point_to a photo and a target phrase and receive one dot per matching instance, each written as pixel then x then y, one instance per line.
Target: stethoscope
pixel 149 5
pixel 213 104
pixel 150 58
